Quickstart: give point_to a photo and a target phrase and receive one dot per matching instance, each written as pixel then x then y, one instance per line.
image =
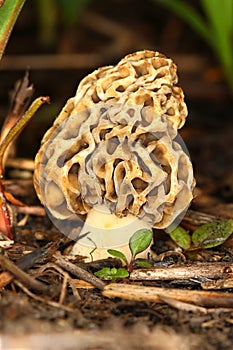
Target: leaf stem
pixel 5 218
pixel 18 127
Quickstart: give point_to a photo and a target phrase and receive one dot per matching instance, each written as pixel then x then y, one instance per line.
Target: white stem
pixel 103 230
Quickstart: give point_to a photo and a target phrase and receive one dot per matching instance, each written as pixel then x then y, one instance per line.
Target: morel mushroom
pixel 113 157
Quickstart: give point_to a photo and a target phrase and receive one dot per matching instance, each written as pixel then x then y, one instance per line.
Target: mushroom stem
pixel 103 230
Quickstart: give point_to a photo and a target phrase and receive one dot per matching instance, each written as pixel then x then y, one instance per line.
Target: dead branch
pixel 215 270
pixel 141 293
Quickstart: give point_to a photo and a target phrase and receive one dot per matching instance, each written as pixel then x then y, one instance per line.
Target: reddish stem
pixel 5 223
pixel 130 266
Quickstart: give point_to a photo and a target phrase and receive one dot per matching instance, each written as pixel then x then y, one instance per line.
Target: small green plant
pixel 206 236
pixel 112 273
pixel 215 27
pixel 139 242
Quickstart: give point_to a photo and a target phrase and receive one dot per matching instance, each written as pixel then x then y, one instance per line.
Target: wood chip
pixel 79 284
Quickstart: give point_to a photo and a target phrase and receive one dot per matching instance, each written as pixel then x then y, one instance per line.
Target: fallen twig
pixel 79 272
pixel 7 264
pixel 43 300
pixel 66 280
pixel 23 264
pixel 156 294
pixel 215 270
pixel 180 305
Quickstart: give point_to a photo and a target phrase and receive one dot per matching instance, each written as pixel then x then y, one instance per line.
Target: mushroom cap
pixel 115 143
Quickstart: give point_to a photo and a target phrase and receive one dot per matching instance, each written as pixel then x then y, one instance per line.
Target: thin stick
pixel 66 279
pixel 180 305
pixel 74 289
pixel 79 272
pixel 63 288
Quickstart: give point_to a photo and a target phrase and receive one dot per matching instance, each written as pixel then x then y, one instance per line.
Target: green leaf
pixel 181 237
pixel 9 12
pixel 212 234
pixel 105 272
pixel 118 254
pixel 140 240
pixel 120 273
pixel 143 264
pixel 109 273
pixel 219 15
